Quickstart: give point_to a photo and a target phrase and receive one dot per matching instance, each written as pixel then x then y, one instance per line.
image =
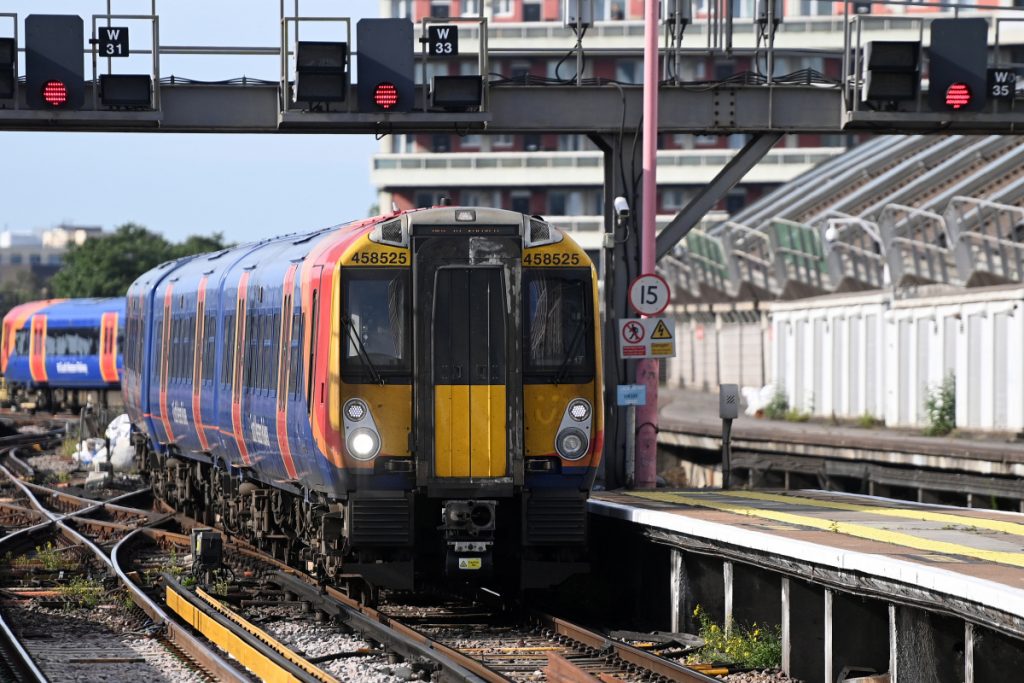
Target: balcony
pixel 575 169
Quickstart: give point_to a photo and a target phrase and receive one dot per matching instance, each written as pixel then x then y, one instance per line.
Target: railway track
pixel 62 598
pixel 264 612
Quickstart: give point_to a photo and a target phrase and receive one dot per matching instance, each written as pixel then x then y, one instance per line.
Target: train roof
pixel 67 312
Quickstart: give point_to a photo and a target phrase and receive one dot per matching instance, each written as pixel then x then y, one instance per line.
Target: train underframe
pixel 399 540
pixel 27 397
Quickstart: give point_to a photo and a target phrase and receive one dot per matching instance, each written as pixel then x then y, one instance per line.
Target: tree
pixel 106 266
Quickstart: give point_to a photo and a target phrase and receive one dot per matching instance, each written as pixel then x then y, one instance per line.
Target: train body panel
pixel 371 381
pixel 64 351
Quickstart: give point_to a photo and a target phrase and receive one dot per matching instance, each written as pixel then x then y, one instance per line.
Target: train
pixel 408 398
pixel 63 353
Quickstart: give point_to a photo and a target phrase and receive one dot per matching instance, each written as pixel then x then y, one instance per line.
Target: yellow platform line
pixel 920 515
pixel 858 530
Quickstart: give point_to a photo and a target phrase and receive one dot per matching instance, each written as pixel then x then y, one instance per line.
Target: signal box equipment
pixel 385 65
pixel 54 61
pixel 891 70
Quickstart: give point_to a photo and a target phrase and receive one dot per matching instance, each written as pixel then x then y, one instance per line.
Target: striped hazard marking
pixel 745 504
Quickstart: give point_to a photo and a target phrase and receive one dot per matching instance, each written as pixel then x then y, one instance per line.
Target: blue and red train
pixel 63 352
pixel 408 395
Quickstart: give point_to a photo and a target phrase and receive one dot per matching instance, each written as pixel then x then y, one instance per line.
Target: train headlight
pixel 579 410
pixel 363 444
pixel 356 410
pixel 572 443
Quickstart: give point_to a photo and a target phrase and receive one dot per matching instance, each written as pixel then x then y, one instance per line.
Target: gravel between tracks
pixel 766 676
pixel 70 644
pixel 317 640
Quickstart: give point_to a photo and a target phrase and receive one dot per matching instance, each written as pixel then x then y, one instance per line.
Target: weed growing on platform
pixel 941 407
pixel 69 447
pixel 754 647
pixel 777 408
pixel 868 421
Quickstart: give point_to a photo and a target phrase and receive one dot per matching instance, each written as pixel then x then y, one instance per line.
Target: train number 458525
pixel 381 258
pixel 547 258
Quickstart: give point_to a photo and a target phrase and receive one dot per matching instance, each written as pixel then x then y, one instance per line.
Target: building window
pixel 531 11
pixel 672 200
pixel 401 9
pixel 521 202
pixel 470 8
pixel 628 70
pixel 531 143
pixel 470 141
pixel 501 7
pixel 440 9
pixel 54 259
pixel 705 140
pixel 556 203
pixel 35 259
pixel 441 142
pixel 502 140
pixel 15 259
pixel 428 199
pixel 570 143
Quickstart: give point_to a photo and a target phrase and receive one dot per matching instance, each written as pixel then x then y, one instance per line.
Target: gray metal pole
pixel 726 452
pixel 630 447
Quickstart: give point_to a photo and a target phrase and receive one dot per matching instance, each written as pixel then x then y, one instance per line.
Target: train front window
pixel 21 343
pixel 558 326
pixel 376 330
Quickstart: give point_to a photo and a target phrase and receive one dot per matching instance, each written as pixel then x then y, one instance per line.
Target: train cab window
pixel 21 342
pixel 376 335
pixel 558 326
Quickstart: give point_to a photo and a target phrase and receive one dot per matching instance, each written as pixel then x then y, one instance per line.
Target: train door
pixel 108 347
pixel 468 359
pixel 470 372
pixel 37 349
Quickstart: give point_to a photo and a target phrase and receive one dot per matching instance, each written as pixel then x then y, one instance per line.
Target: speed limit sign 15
pixel 649 295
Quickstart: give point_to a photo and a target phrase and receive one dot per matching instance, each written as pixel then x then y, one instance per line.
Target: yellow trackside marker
pixel 850 529
pixel 919 515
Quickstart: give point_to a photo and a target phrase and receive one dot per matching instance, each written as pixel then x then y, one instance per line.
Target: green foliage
pixel 941 407
pixel 778 406
pixel 68 447
pixel 83 592
pixel 753 647
pixel 868 421
pixel 794 415
pixel 106 266
pixel 52 557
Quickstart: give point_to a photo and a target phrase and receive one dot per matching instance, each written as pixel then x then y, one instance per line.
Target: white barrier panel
pixel 828 354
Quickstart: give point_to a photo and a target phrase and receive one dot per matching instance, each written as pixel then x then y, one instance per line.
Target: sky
pixel 246 186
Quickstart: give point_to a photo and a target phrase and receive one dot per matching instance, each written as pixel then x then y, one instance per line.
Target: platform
pixel 914 566
pixel 945 469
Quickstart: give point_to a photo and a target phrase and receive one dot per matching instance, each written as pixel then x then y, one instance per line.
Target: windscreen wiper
pixel 563 368
pixel 361 350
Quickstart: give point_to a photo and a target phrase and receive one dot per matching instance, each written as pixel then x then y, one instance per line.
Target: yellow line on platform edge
pixel 920 515
pixel 847 528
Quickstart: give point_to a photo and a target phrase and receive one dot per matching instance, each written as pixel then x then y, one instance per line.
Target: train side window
pixel 293 382
pixel 228 357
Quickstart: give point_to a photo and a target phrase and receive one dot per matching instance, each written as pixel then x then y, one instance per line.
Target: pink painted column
pixel 647 370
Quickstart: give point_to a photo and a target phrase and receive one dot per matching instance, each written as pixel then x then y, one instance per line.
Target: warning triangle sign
pixel 661 331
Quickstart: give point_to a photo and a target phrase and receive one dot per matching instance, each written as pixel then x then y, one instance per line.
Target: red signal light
pixel 385 95
pixel 55 93
pixel 958 95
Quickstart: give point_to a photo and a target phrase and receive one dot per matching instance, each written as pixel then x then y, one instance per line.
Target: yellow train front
pixel 406 396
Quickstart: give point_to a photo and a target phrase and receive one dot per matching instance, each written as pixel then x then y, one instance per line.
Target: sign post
pixel 646 339
pixel 728 410
pixel 631 396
